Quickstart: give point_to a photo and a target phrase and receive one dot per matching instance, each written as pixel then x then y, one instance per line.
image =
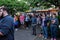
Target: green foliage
pixel 24 5
pixel 14 5
pixel 54 2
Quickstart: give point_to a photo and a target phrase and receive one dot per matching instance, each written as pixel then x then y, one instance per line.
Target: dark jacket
pixel 56 21
pixel 45 21
pixel 7 28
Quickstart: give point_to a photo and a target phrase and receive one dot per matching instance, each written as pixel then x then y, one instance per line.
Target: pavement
pixel 24 35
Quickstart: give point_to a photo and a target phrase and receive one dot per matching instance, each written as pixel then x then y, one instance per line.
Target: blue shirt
pixel 34 20
pixel 7 28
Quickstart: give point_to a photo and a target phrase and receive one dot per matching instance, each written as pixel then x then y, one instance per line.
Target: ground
pixel 26 34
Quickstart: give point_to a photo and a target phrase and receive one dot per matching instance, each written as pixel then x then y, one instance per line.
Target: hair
pixel 5 8
pixel 54 14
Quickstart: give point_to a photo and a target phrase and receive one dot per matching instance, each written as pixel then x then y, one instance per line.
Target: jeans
pixel 45 31
pixel 34 28
pixel 53 29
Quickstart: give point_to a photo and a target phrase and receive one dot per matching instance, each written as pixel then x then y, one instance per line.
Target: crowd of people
pixel 41 20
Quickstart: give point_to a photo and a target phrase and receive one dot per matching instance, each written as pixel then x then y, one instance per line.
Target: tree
pixel 23 5
pixel 14 5
pixel 54 2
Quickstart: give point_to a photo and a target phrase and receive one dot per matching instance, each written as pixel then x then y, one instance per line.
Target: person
pixel 34 22
pixel 22 18
pixel 16 22
pixel 6 25
pixel 44 26
pixel 38 20
pixel 53 27
pixel 27 21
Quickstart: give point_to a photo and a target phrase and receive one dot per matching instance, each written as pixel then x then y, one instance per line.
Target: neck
pixel 5 14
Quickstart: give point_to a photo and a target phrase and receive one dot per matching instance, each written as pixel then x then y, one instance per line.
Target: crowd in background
pixel 41 20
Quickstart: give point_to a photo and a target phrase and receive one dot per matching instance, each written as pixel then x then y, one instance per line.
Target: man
pixel 34 22
pixel 6 25
pixel 27 21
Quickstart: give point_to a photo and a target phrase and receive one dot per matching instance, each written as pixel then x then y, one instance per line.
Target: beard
pixel 1 16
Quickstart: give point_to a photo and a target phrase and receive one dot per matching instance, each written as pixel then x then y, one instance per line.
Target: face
pixel 33 15
pixel 1 12
pixel 53 16
pixel 43 16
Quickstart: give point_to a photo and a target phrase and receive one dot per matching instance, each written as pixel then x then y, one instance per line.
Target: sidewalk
pixel 40 38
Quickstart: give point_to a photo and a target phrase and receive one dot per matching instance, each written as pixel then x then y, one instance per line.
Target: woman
pixel 53 27
pixel 44 26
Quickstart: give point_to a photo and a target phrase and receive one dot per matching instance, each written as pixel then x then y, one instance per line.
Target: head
pixel 43 16
pixel 33 15
pixel 3 11
pixel 48 15
pixel 53 15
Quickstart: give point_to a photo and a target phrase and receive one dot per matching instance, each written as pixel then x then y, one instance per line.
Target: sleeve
pixel 57 22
